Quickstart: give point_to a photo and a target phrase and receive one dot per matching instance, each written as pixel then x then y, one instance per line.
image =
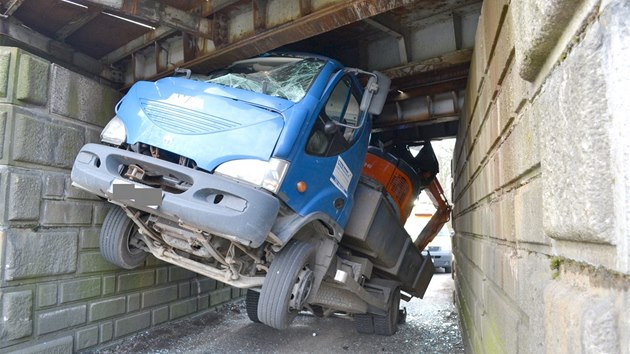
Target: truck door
pixel 332 158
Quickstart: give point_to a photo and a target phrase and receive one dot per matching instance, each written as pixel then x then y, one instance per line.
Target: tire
pixel 251 303
pixel 447 269
pixel 364 323
pixel 388 325
pixel 276 294
pixel 114 240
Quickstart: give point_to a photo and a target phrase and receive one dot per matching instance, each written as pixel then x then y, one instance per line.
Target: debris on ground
pixel 432 326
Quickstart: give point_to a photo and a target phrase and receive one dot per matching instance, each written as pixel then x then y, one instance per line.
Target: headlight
pixel 266 174
pixel 114 132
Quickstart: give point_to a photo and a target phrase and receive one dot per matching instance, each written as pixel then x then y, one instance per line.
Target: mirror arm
pixel 186 72
pixel 358 71
pixel 361 120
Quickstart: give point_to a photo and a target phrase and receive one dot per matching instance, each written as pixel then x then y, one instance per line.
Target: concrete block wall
pixel 542 180
pixel 56 292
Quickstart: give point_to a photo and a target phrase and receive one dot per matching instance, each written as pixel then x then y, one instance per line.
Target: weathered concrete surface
pixel 431 328
pixel 541 23
pixel 57 294
pixel 541 190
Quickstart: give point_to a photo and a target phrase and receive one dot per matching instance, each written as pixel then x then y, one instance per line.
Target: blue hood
pixel 205 122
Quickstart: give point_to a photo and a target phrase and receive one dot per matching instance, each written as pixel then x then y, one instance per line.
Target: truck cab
pixel 248 175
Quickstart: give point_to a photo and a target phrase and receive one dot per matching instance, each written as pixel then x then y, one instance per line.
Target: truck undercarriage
pixel 362 275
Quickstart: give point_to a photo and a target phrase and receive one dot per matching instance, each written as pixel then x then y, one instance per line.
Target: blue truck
pixel 252 175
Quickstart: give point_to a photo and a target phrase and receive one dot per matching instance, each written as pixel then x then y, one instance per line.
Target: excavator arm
pixel 441 216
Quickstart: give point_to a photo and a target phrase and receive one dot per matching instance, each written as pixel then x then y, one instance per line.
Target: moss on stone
pixel 554 265
pixel 492 342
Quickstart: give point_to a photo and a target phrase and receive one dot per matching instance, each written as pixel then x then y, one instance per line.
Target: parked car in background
pixel 441 251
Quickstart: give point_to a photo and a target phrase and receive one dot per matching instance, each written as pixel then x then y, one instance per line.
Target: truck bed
pixel 375 231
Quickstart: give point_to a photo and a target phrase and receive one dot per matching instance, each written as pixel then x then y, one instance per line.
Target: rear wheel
pixel 120 240
pixel 364 323
pixel 287 285
pixel 385 325
pixel 251 302
pixel 388 325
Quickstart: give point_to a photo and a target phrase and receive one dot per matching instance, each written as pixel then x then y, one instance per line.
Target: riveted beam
pixel 206 9
pixel 11 7
pixel 223 50
pixel 457 28
pixel 305 7
pixel 156 12
pixel 76 23
pixel 259 11
pixel 317 22
pixel 400 39
pixel 14 33
pixel 447 60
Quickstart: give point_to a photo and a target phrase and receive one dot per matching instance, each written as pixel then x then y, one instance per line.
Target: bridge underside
pixel 424 46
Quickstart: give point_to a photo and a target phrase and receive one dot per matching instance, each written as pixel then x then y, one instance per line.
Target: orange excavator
pixel 404 176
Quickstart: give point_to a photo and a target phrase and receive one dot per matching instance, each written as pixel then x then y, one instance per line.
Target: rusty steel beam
pixel 156 12
pixel 206 9
pixel 430 78
pixel 259 10
pixel 76 23
pixel 444 61
pixel 11 7
pixel 457 29
pixel 317 22
pixel 399 37
pixel 305 7
pixel 455 85
pixel 14 33
pixel 414 133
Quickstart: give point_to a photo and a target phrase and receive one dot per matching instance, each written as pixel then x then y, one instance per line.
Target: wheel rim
pixel 301 289
pixel 133 234
pixel 287 285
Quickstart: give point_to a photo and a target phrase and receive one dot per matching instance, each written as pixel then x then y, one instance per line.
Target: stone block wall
pixel 56 292
pixel 542 180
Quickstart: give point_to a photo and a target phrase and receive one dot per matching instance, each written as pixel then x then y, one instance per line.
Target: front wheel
pixel 120 239
pixel 287 285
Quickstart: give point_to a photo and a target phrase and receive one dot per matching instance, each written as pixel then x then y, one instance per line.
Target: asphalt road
pixel 432 327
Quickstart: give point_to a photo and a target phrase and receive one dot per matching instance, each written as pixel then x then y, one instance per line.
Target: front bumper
pixel 242 213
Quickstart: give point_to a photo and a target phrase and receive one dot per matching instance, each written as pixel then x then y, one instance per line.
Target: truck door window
pixel 343 107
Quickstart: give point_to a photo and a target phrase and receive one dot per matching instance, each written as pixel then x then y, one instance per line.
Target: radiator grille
pixel 183 120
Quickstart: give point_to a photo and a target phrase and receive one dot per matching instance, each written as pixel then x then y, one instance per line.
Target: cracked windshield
pixel 289 78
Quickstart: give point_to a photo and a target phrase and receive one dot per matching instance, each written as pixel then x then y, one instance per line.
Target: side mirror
pixel 330 128
pixel 375 94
